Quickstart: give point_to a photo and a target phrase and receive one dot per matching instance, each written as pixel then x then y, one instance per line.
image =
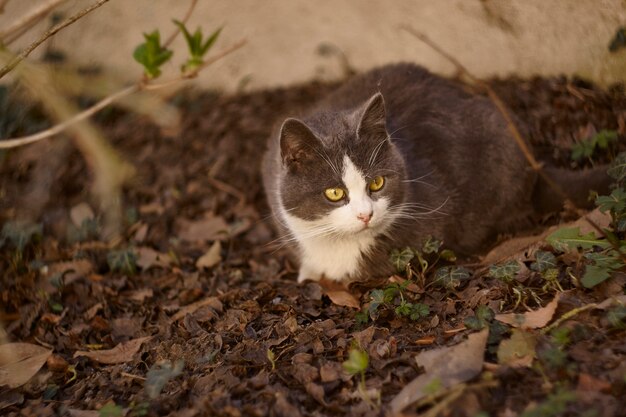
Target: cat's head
pixel 342 174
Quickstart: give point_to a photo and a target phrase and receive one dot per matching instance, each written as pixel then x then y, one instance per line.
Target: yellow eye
pixel 334 194
pixel 377 183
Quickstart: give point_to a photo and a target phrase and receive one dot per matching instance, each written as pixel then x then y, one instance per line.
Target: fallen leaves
pixel 121 353
pixel 19 362
pixel 445 367
pixel 533 319
pixel 212 302
pixel 519 350
pixel 212 257
pixel 339 294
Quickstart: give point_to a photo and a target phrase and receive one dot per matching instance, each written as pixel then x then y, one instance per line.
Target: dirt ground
pixel 196 311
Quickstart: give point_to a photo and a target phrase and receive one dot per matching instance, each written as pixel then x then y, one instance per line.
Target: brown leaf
pixel 207 229
pixel 447 365
pixel 57 364
pixel 339 294
pixel 148 257
pixel 140 295
pixel 588 382
pixel 212 257
pixel 519 350
pixel 212 302
pixel 19 362
pixel 533 319
pixel 121 353
pixel 71 270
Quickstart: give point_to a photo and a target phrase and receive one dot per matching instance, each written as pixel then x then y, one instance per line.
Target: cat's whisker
pixel 326 158
pixel 375 152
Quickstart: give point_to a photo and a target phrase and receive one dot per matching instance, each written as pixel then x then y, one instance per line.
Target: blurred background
pixel 296 41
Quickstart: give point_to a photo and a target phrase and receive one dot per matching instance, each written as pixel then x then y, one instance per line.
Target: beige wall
pixel 491 37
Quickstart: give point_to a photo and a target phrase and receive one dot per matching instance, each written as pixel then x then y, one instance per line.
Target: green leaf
pixel 448 255
pixel 161 374
pixel 151 54
pixel 209 42
pixel 617 317
pixel 617 170
pixel 616 202
pixel 401 258
pixel 570 238
pixel 357 362
pixel 604 137
pixel 450 277
pixel 418 311
pixel 505 271
pixel 110 409
pixel 404 309
pixel 543 261
pixel 594 275
pixel 483 316
pixel 431 245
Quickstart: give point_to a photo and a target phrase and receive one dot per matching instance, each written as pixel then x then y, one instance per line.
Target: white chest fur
pixel 333 246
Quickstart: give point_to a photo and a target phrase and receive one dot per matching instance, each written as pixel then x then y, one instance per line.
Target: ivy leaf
pixel 543 261
pixel 431 245
pixel 151 54
pixel 450 277
pixel 570 238
pixel 505 271
pixel 401 258
pixel 483 316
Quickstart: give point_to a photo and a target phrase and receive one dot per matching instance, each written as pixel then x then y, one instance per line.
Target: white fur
pixel 333 246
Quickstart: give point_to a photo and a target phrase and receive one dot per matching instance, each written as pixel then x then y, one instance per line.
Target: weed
pixel 124 261
pixel 588 147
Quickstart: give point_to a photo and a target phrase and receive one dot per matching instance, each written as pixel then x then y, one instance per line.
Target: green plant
pixel 124 261
pixel 554 405
pixel 392 296
pixel 197 47
pixel 587 147
pixel 152 55
pixel 110 409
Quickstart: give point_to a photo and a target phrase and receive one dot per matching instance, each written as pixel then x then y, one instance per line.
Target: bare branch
pixel 25 140
pixel 24 23
pixel 19 58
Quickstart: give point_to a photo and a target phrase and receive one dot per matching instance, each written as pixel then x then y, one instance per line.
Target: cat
pixel 391 157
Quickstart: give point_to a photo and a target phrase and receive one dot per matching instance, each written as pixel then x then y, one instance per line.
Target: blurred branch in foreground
pixel 25 23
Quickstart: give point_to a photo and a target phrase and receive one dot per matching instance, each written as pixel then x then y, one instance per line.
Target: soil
pixel 229 332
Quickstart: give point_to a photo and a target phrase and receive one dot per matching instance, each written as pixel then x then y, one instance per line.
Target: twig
pixel 25 140
pixel 3 4
pixel 177 30
pixel 11 33
pixel 56 28
pixel 568 316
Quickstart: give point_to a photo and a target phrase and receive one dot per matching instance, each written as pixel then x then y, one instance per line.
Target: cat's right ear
pixel 296 142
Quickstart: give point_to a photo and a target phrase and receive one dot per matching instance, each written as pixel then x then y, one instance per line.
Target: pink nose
pixel 364 217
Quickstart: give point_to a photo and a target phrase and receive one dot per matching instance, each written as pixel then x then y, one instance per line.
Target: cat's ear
pixel 373 116
pixel 296 142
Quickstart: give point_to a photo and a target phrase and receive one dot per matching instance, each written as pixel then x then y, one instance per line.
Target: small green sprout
pixel 197 46
pixel 152 55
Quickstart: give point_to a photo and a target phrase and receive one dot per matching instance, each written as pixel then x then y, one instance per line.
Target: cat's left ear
pixel 373 116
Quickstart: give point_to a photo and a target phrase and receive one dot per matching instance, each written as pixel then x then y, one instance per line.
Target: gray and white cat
pixel 391 157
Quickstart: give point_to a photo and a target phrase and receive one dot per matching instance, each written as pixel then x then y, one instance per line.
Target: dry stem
pixel 56 28
pixel 21 25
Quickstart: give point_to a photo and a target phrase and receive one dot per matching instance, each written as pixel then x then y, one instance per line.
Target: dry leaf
pixel 207 229
pixel 140 295
pixel 516 247
pixel 212 302
pixel 19 362
pixel 533 319
pixel 448 366
pixel 121 353
pixel 71 270
pixel 148 257
pixel 339 294
pixel 519 350
pixel 212 257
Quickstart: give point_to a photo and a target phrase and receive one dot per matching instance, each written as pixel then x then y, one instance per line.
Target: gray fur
pixel 449 149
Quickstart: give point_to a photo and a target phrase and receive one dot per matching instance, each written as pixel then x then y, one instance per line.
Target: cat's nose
pixel 364 217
